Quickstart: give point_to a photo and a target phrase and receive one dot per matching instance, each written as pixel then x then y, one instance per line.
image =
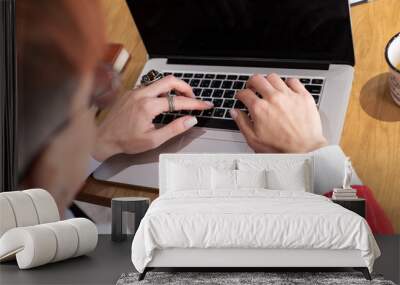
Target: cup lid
pixel 396 36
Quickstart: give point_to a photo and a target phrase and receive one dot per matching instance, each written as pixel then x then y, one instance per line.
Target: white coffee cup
pixel 392 54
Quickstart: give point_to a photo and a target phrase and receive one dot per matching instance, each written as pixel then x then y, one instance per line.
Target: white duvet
pixel 252 218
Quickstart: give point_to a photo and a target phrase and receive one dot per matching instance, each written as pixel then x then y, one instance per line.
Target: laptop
pixel 215 46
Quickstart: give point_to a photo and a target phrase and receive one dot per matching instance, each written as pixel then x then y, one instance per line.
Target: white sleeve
pixel 93 164
pixel 328 169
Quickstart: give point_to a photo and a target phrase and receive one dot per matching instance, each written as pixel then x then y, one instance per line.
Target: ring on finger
pixel 171 103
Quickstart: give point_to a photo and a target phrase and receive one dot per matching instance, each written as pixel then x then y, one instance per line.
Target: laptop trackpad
pixel 142 169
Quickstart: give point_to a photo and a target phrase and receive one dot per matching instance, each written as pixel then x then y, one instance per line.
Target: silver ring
pixel 151 77
pixel 171 104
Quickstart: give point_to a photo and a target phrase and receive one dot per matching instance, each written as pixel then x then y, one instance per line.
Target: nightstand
pixel 355 205
pixel 136 205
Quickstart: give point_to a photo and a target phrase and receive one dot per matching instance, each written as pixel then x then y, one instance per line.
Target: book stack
pixel 344 194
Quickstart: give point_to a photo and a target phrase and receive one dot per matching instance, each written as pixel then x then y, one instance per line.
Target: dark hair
pixel 57 42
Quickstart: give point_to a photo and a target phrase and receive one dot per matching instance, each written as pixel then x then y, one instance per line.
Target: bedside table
pixel 355 205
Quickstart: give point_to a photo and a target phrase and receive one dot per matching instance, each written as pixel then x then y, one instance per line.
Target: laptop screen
pixel 280 30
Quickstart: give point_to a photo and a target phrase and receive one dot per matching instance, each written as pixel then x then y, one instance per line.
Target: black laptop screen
pixel 309 30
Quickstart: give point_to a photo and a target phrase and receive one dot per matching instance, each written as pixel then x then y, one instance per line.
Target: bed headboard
pixel 227 161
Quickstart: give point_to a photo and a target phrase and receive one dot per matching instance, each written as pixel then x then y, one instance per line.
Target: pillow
pixel 183 177
pixel 282 174
pixel 293 179
pixel 227 179
pixel 251 178
pixel 223 179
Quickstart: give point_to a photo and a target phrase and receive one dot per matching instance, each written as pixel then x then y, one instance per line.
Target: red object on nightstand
pixel 375 215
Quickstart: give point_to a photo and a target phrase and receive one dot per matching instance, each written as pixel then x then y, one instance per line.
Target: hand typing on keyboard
pixel 283 116
pixel 128 127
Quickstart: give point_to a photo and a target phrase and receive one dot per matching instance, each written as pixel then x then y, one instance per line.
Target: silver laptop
pixel 216 45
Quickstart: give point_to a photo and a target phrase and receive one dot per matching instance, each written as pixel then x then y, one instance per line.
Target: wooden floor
pixel 371 135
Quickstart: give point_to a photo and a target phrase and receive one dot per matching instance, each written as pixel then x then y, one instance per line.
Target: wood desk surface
pixel 371 135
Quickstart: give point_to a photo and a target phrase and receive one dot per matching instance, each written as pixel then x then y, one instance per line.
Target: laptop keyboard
pixel 221 89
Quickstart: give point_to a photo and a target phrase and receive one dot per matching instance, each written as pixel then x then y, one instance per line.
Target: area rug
pixel 244 278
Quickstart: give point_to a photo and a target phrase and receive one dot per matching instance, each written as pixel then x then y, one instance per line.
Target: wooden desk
pixel 371 135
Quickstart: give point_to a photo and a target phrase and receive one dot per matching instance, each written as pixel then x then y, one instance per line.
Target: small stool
pixel 136 205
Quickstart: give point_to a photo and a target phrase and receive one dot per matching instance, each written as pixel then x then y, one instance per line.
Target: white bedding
pixel 251 218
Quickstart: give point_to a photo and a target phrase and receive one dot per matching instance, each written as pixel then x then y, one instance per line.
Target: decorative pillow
pixel 181 177
pixel 251 179
pixel 223 179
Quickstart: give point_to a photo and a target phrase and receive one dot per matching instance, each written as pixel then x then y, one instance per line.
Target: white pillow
pixel 282 174
pixel 223 179
pixel 292 179
pixel 183 177
pixel 251 178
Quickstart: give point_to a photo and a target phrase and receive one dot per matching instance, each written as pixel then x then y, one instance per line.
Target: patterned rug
pixel 244 278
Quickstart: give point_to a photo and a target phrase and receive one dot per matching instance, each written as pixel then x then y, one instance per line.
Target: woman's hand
pixel 128 127
pixel 284 119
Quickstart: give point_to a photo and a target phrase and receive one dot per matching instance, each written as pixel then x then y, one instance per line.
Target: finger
pixel 167 84
pixel 160 105
pixel 247 97
pixel 259 84
pixel 176 127
pixel 296 85
pixel 246 127
pixel 244 124
pixel 277 82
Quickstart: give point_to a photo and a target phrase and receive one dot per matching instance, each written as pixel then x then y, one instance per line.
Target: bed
pixel 246 211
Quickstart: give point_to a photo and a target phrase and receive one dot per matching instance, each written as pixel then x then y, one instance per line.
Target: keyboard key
pixel 219 112
pixel 228 114
pixel 167 73
pixel 188 75
pixel 178 74
pixel 197 91
pixel 227 84
pixel 207 113
pixel 316 98
pixel 283 78
pixel 216 83
pixel 207 99
pixel 206 93
pixel 210 76
pixel 226 124
pixel 239 105
pixel 194 82
pixel 317 81
pixel 316 89
pixel 168 118
pixel 229 93
pixel 232 77
pixel 305 80
pixel 187 80
pixel 228 103
pixel 238 85
pixel 217 102
pixel 221 76
pixel 205 83
pixel 244 77
pixel 158 119
pixel 196 112
pixel 218 93
pixel 185 112
pixel 199 75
